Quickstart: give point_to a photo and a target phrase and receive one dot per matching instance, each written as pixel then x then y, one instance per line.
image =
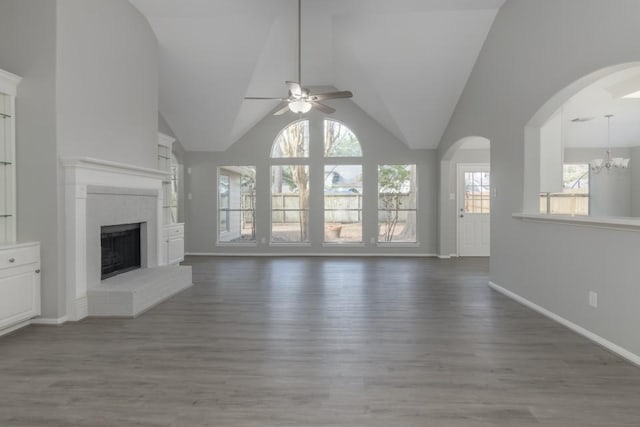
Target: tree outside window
pixel 397 204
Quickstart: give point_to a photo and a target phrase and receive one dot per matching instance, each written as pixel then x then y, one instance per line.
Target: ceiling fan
pixel 300 99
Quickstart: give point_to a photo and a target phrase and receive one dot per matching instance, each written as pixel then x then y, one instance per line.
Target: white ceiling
pixel 601 99
pixel 406 61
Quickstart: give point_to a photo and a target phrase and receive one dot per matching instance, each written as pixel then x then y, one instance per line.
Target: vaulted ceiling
pixel 406 61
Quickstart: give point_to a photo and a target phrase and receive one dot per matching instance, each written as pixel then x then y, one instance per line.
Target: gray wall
pixel 534 50
pixel 610 193
pixel 107 82
pixel 635 181
pixel 163 126
pixel 379 147
pixel 28 49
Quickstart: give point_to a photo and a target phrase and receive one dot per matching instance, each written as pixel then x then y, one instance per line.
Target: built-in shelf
pixel 165 143
pixel 8 90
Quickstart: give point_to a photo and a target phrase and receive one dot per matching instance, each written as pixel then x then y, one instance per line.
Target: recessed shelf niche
pixel 8 88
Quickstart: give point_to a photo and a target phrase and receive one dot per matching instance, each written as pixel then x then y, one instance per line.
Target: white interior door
pixel 474 209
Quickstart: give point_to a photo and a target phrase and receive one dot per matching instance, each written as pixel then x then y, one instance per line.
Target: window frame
pixel 324 142
pixel 415 210
pixel 548 197
pixel 228 212
pixel 361 203
pixel 308 142
pixel 284 162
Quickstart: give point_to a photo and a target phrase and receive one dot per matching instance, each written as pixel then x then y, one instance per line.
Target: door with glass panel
pixel 474 209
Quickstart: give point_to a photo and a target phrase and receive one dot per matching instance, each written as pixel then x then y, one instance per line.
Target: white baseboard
pixel 614 348
pixel 448 256
pixel 81 308
pixel 328 255
pixel 49 321
pixel 15 327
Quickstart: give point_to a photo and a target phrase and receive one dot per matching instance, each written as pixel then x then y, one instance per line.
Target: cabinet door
pixel 19 294
pixel 176 249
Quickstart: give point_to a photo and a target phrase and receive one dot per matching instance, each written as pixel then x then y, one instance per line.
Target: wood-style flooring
pixel 376 342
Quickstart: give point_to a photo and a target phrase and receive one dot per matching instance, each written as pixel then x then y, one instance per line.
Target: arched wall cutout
pixel 448 155
pixel 560 98
pixel 532 132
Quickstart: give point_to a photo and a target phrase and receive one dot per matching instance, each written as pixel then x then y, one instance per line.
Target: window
pixel 477 190
pixel 339 141
pixel 292 142
pixel 343 203
pixel 236 204
pixel 223 203
pixel 291 182
pixel 290 204
pixel 574 199
pixel 397 204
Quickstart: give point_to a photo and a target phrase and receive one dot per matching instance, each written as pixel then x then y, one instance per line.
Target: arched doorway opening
pixel 465 198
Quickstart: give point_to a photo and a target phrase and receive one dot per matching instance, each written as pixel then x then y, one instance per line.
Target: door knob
pixel 12 260
pixel 38 271
pixel 461 216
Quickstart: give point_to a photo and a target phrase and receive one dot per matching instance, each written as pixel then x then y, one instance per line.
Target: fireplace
pixel 120 248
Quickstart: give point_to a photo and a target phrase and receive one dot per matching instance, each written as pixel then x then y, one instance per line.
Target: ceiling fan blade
pixel 324 108
pixel 331 95
pixel 294 88
pixel 263 98
pixel 282 108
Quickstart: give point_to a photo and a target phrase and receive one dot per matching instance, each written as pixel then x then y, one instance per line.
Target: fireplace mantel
pixel 80 173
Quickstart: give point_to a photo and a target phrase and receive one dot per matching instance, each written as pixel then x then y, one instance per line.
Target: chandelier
pixel 609 163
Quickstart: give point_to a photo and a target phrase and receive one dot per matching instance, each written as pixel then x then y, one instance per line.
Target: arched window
pixel 340 141
pixel 343 185
pixel 292 141
pixel 290 185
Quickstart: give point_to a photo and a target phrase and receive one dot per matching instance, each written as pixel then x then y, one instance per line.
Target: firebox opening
pixel 120 248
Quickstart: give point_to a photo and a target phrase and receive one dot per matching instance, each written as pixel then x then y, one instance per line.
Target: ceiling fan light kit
pixel 300 100
pixel 300 106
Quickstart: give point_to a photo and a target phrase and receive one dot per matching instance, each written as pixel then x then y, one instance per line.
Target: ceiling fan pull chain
pixel 300 100
pixel 300 42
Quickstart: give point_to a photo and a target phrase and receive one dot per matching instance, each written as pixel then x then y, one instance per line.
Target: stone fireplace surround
pixel 99 192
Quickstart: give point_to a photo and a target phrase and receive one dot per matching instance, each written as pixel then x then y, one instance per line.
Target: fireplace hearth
pixel 120 249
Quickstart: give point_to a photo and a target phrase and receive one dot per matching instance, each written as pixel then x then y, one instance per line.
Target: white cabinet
pixel 19 284
pixel 174 241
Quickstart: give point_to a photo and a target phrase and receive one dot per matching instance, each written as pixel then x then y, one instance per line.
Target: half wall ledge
pixel 615 223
